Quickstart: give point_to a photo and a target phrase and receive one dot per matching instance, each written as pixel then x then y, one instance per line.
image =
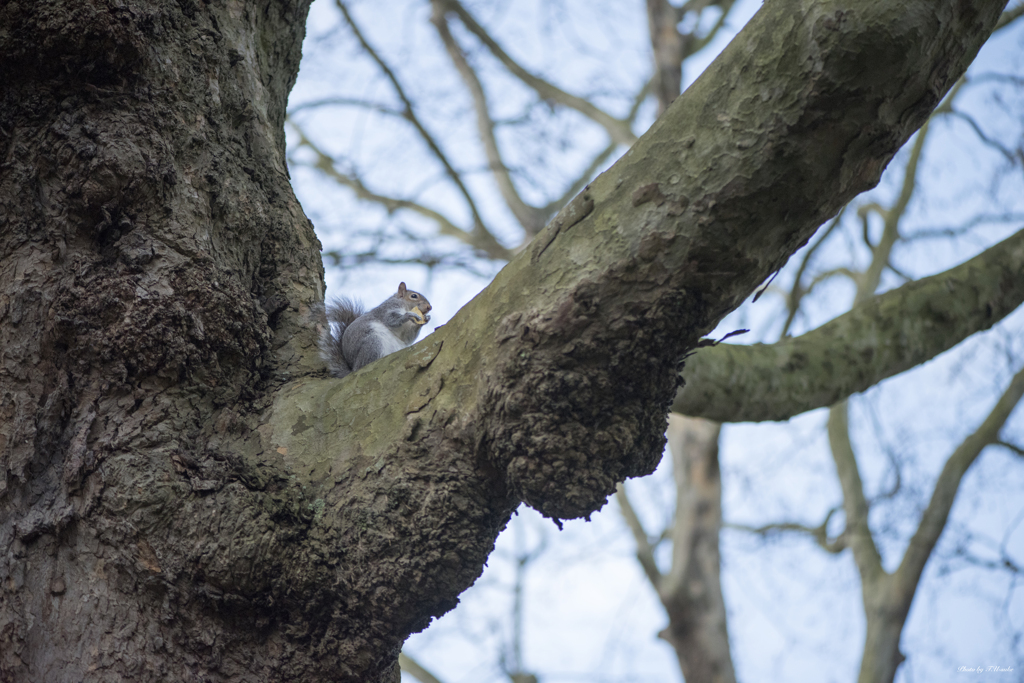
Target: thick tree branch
pixel 550 386
pixel 888 597
pixel 882 337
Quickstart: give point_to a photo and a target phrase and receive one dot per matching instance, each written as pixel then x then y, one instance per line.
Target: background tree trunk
pixel 181 500
pixel 692 590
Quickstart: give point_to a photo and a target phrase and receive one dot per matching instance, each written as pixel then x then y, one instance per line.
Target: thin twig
pixel 818 533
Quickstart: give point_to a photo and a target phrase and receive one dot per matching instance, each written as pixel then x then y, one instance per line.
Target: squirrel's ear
pixel 401 289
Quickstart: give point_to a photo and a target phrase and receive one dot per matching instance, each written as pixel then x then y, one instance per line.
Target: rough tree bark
pixel 152 261
pixel 185 497
pixel 881 337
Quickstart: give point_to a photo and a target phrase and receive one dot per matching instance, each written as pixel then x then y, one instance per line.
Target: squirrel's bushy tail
pixel 339 313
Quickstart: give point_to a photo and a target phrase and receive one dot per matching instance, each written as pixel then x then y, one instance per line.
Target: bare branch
pixel 999 559
pixel 868 283
pixel 889 334
pixel 1010 155
pixel 424 258
pixel 410 114
pixel 1004 563
pixel 864 212
pixel 668 47
pixel 581 181
pixel 531 218
pixel 618 129
pixel 944 232
pixel 644 549
pixel 1009 16
pixel 818 533
pixel 933 521
pixel 703 41
pixel 1013 448
pixel 841 271
pixel 898 272
pixel 796 294
pixel 858 533
pixel 347 102
pixel 697 6
pixel 598 161
pixel 482 241
pixel 416 670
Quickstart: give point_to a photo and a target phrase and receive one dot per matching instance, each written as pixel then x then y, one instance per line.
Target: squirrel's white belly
pixel 389 343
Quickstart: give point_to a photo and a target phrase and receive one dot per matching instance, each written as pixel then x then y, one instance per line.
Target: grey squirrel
pixel 353 337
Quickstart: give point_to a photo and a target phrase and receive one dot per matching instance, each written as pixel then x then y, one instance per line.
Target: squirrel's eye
pixel 414 296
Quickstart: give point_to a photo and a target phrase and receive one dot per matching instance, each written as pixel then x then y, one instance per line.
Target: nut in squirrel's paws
pixel 420 318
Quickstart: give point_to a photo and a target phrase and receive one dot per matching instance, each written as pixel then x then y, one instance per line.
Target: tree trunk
pixel 154 264
pixel 184 497
pixel 668 47
pixel 692 590
pixel 886 613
